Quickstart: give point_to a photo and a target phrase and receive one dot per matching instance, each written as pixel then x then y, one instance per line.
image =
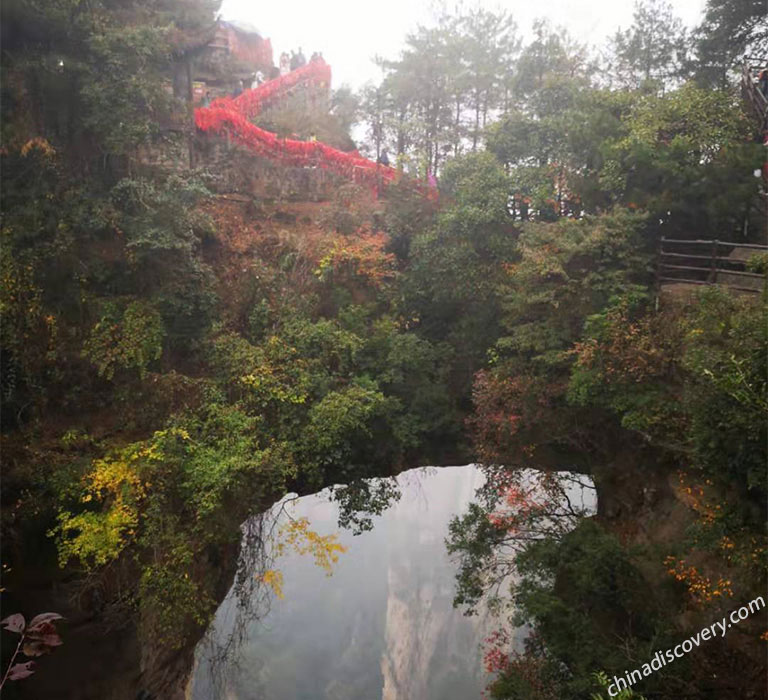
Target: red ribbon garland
pixel 230 116
pixel 250 102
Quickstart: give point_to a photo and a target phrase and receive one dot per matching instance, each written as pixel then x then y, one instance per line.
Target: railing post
pixel 658 272
pixel 713 262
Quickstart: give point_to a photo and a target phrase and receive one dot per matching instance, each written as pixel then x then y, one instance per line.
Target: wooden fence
pixel 714 262
pixel 749 88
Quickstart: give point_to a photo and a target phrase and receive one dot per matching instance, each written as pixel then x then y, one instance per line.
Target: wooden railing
pixel 709 263
pixel 749 88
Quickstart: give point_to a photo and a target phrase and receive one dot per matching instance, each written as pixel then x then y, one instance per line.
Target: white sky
pixel 350 33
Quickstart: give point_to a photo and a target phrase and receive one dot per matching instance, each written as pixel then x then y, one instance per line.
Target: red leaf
pixel 20 671
pixel 14 623
pixel 43 617
pixel 40 630
pixel 51 640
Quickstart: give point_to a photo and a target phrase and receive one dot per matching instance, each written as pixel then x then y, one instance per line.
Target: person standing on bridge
pixel 384 158
pixel 285 64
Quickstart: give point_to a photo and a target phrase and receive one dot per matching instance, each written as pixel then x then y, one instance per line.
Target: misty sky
pixel 350 32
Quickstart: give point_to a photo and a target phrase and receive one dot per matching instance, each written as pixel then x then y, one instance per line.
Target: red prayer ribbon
pixel 231 117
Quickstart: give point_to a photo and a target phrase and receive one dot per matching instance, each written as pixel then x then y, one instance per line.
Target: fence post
pixel 713 262
pixel 658 272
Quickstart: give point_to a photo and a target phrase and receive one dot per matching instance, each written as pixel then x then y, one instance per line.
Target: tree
pixel 549 70
pixel 531 136
pixel 443 87
pixel 454 266
pixel 653 50
pixel 420 81
pixel 687 159
pixel 730 30
pixel 490 44
pixel 374 108
pixel 345 105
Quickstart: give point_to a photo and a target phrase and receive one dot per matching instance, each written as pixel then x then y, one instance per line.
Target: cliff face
pixel 383 625
pixel 430 649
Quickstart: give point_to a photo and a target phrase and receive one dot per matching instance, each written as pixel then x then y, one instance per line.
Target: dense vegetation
pixel 173 362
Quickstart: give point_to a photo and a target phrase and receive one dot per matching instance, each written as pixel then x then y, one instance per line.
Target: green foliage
pixel 417 374
pixel 130 341
pixel 329 348
pixel 666 154
pixel 675 157
pixel 758 263
pixel 729 30
pixel 122 85
pixel 170 500
pixel 727 395
pixel 567 271
pixel 691 380
pixel 361 499
pixel 162 227
pixel 582 594
pixel 605 683
pixel 27 333
pixel 340 421
pixel 653 50
pixel 454 268
pixel 160 215
pixel 476 540
pixel 626 363
pixel 478 188
pixel 266 376
pixel 407 213
pixel 581 347
pixel 224 462
pixel 551 54
pixel 173 600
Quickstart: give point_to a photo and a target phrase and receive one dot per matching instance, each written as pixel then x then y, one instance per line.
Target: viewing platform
pixel 684 265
